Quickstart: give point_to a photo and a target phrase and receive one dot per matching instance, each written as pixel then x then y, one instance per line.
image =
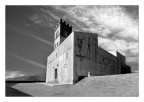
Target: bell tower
pixel 62 32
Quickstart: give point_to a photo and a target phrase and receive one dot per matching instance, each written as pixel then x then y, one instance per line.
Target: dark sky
pixel 30 33
pixel 27 44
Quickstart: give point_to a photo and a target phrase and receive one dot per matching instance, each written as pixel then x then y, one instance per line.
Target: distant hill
pixel 37 77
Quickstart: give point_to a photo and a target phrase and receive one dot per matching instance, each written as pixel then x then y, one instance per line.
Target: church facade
pixel 77 54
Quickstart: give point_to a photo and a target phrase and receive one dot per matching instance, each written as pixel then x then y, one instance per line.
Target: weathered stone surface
pixel 107 62
pixel 62 60
pixel 85 54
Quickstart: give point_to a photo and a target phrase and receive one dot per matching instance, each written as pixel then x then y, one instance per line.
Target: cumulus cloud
pixel 45 18
pixel 132 59
pixel 117 26
pixel 103 19
pixel 13 74
pixel 119 45
pixel 41 20
pixel 50 13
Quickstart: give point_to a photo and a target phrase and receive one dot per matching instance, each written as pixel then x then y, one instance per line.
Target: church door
pixel 55 74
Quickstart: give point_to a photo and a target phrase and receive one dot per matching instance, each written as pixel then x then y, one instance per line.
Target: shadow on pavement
pixel 11 92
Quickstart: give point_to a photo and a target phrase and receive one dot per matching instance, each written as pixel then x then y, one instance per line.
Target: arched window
pixel 65 65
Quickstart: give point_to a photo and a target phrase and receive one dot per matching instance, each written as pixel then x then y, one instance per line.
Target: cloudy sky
pixel 30 33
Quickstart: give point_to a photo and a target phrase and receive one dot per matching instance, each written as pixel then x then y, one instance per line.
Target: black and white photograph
pixel 72 51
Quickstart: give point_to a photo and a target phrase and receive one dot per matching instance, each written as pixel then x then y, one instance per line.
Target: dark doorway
pixel 55 74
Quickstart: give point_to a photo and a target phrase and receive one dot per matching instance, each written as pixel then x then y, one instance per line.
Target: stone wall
pixel 61 60
pixel 107 62
pixel 85 54
pixel 121 63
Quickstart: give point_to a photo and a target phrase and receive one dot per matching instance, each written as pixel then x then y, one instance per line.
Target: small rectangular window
pixel 57 43
pixel 56 35
pixel 67 55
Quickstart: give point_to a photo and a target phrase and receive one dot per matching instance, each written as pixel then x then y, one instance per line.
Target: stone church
pixel 77 55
